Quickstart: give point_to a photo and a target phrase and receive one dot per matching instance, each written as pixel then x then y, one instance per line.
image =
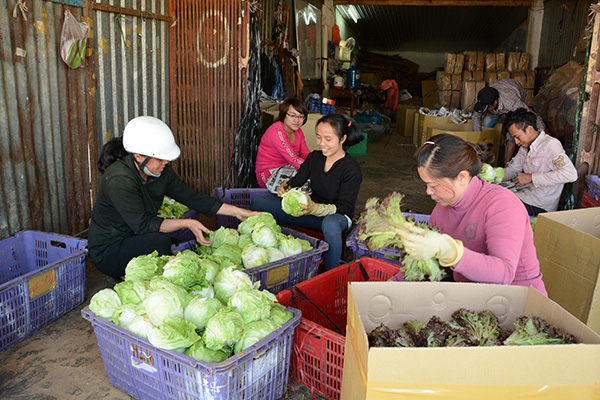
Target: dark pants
pixel 533 210
pixel 119 254
pixel 332 226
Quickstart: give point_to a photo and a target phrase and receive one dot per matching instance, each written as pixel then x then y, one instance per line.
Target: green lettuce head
pixel 248 225
pixel 105 303
pixel 264 236
pixel 131 292
pixel 279 314
pixel 172 209
pixel 200 310
pixel 173 334
pixel 291 201
pixel 125 314
pixel 231 280
pixel 145 267
pixel 223 236
pixel 254 332
pixel 140 326
pixel 290 246
pixel 185 269
pixel 224 329
pixel 231 251
pixel 245 240
pixel 252 304
pixel 200 352
pixel 274 254
pixel 253 256
pixel 161 305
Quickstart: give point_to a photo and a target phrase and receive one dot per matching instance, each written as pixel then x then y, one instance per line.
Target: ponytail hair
pixel 112 151
pixel 343 126
pixel 446 155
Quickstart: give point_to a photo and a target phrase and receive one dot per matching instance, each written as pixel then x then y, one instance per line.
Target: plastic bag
pixel 73 40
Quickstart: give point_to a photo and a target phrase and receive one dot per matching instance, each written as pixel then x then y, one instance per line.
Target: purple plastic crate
pixel 239 197
pixel 184 235
pixel 592 183
pixel 42 276
pixel 147 372
pixel 390 255
pixel 285 273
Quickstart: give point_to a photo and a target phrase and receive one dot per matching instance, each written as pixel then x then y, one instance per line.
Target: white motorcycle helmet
pixel 151 137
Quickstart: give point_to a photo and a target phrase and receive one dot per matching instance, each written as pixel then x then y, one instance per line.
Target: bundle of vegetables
pixel 257 241
pixel 533 223
pixel 468 328
pixel 491 174
pixel 172 209
pixel 377 227
pixel 193 306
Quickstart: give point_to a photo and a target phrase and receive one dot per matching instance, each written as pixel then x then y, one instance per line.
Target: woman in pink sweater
pixel 283 142
pixel 486 235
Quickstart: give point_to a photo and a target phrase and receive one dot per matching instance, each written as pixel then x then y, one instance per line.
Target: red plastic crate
pixel 318 348
pixel 588 201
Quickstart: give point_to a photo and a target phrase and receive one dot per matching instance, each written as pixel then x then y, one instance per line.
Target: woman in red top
pixel 283 142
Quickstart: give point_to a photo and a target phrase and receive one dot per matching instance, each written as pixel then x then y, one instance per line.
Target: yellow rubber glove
pixel 317 209
pixel 422 244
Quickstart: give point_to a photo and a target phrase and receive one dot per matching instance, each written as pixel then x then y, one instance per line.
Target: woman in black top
pixel 335 179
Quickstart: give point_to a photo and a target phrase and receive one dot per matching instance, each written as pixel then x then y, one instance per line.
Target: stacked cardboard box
pixel 498 67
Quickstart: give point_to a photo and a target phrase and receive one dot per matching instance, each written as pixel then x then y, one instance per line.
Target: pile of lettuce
pixel 377 226
pixel 258 240
pixel 468 328
pixel 172 209
pixel 491 174
pixel 192 305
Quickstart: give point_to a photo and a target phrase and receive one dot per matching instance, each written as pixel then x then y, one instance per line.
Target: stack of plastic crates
pixel 282 274
pixel 146 372
pixel 391 255
pixel 318 357
pixel 42 276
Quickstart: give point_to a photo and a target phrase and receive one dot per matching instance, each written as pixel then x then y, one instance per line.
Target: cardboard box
pixel 429 93
pixel 466 132
pixel 496 372
pixel 405 119
pixel 417 116
pixel 426 121
pixel 568 248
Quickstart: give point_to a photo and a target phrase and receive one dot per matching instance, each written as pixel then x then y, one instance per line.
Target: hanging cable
pixel 247 136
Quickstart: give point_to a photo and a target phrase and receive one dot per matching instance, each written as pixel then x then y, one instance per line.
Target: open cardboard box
pixel 498 372
pixel 568 248
pixel 466 132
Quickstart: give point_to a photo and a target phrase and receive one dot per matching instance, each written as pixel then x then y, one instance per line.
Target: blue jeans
pixel 332 226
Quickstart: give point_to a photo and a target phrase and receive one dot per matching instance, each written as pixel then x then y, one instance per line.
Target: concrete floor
pixel 62 360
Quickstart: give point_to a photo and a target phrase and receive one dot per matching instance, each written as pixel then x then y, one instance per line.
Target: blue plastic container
pixel 353 77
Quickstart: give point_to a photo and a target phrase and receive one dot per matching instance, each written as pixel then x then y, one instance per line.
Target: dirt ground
pixel 62 360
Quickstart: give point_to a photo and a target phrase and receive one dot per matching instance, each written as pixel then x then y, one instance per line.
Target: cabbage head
pixel 204 250
pixel 160 282
pixel 306 246
pixel 200 310
pixel 161 305
pixel 206 290
pixel 491 174
pixel 231 251
pixel 210 268
pixel 140 326
pixel 173 334
pixel 279 314
pixel 245 240
pixel 223 236
pixel 105 303
pixel 253 256
pixel 264 236
pixel 290 246
pixel 247 226
pixel 252 304
pixel 131 292
pixel 229 281
pixel 224 329
pixel 145 267
pixel 274 254
pixel 185 270
pixel 254 332
pixel 125 314
pixel 291 201
pixel 499 174
pixel 200 352
pixel 223 262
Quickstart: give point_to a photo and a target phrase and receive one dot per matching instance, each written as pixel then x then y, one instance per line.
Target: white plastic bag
pixel 73 40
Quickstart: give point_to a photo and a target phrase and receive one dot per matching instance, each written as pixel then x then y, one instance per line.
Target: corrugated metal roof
pixel 432 29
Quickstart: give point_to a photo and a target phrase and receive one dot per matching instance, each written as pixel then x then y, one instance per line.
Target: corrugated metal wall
pixel 208 86
pixel 43 141
pixel 132 66
pixel 561 30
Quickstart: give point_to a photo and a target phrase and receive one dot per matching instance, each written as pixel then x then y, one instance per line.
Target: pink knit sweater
pixel 494 227
pixel 275 150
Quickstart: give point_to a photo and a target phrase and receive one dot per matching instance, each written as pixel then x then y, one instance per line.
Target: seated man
pixel 541 163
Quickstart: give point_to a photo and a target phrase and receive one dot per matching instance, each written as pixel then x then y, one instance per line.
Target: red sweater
pixel 494 227
pixel 275 150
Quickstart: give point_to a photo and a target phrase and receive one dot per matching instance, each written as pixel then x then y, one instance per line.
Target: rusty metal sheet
pixel 208 50
pixel 43 155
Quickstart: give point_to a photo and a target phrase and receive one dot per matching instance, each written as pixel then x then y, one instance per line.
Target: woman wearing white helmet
pixel 136 176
